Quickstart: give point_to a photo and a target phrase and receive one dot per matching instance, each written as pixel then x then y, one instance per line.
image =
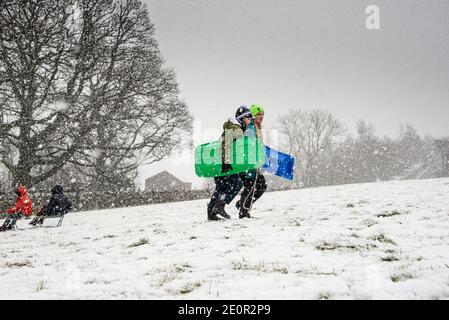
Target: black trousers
pixel 226 189
pixel 12 219
pixel 260 185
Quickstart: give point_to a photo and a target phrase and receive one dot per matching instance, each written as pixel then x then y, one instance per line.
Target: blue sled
pixel 278 163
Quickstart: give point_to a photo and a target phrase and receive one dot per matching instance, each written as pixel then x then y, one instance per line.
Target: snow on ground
pixel 385 240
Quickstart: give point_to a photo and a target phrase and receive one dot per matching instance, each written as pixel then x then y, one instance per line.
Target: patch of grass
pixel 71 243
pixel 242 265
pixel 315 271
pixel 323 245
pixel 390 258
pixel 387 214
pixel 381 238
pixel 324 296
pixel 282 270
pixel 327 246
pixel 189 287
pixel 401 277
pixel 41 285
pixel 369 222
pixel 159 231
pixel 182 267
pixel 170 272
pixel 19 264
pixel 167 277
pixel 294 223
pixel 141 242
pixel 260 267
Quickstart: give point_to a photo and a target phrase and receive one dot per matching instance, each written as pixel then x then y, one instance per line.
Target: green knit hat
pixel 255 109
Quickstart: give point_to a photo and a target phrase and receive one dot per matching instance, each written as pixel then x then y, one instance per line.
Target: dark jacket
pixel 231 132
pixel 58 203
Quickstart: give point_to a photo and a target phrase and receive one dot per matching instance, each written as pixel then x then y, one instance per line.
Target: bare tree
pixel 83 82
pixel 209 185
pixel 309 133
pixel 443 149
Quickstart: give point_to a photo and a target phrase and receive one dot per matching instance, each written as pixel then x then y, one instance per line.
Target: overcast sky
pixel 308 54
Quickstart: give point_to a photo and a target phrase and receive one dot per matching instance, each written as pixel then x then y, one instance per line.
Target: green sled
pixel 247 154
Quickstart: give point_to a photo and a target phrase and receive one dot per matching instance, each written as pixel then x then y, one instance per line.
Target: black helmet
pixel 57 189
pixel 243 113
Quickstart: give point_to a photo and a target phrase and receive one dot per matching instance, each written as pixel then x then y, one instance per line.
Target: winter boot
pixel 209 208
pixel 212 217
pixel 34 221
pixel 219 209
pixel 5 227
pixel 238 205
pixel 244 213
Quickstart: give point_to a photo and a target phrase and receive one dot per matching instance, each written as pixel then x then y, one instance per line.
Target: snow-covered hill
pixel 386 240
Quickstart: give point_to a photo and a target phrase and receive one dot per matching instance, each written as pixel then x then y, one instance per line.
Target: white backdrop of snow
pixel 386 240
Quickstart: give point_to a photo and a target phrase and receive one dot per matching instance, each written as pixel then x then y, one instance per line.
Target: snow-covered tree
pixel 309 134
pixel 83 82
pixel 443 151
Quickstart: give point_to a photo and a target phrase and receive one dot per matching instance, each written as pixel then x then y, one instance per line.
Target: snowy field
pixel 386 240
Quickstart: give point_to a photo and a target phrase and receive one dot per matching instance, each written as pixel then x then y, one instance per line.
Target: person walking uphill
pixel 56 206
pixel 253 181
pixel 23 207
pixel 227 187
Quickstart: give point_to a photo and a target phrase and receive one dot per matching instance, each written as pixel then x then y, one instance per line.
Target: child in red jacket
pixel 23 207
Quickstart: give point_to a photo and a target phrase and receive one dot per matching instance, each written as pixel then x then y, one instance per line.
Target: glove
pixel 225 167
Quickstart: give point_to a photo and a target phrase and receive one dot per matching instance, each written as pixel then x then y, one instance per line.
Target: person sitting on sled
pixel 23 207
pixel 57 205
pixel 227 187
pixel 254 183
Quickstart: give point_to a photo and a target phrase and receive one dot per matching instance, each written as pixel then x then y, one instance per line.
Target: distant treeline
pixel 327 155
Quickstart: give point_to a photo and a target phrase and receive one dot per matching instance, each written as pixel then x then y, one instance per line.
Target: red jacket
pixel 23 203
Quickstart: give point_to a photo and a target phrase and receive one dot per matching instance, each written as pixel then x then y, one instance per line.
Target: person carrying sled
pixel 57 205
pixel 254 183
pixel 23 207
pixel 227 187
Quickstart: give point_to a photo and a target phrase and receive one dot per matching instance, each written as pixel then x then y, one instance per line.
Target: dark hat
pixel 57 189
pixel 242 113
